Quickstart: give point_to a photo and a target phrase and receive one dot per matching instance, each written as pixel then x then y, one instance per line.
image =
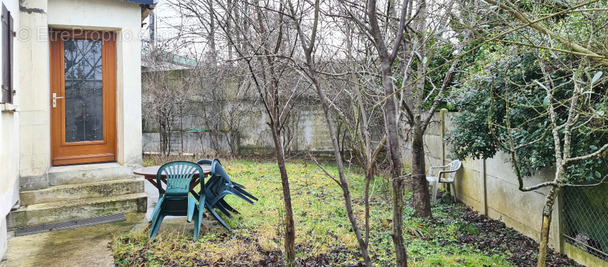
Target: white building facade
pixel 71 91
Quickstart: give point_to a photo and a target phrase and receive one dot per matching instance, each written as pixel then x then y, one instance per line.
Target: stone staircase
pixel 78 192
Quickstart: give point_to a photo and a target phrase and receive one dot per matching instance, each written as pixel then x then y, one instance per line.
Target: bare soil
pixel 493 236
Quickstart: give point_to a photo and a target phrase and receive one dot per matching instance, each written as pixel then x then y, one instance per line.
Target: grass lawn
pixel 323 234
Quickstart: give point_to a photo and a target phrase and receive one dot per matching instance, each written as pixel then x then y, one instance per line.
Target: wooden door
pixel 83 96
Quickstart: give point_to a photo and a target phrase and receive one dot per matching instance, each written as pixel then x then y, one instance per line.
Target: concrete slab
pixel 86 246
pixel 83 191
pixel 74 174
pixel 79 209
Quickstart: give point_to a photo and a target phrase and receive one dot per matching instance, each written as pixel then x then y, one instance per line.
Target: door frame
pixel 62 152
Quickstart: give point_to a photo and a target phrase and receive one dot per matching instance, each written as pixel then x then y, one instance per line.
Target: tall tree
pixel 264 50
pixel 308 45
pixel 387 58
pixel 259 40
pixel 410 35
pixel 432 62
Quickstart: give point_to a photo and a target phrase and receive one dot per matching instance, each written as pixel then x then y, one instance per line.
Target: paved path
pixel 86 246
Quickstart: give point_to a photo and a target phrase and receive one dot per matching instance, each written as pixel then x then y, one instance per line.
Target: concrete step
pixel 86 173
pixel 81 191
pixel 70 210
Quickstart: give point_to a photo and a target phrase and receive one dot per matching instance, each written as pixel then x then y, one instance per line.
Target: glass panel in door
pixel 83 90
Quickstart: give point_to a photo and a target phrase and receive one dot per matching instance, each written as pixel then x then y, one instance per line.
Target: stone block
pixel 74 174
pixel 83 191
pixel 33 182
pixel 70 210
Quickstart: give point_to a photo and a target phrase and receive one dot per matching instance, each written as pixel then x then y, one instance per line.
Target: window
pixel 7 56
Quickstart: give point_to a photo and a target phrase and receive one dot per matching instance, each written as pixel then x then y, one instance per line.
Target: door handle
pixel 55 97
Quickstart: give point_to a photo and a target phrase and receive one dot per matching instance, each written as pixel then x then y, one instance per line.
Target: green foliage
pixel 509 79
pixel 492 85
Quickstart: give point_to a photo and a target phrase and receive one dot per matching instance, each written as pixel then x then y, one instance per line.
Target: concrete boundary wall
pixel 491 187
pixel 307 131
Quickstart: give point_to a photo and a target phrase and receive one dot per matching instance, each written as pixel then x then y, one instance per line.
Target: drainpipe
pixel 152 30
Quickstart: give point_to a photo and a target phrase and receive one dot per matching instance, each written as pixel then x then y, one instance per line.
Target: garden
pixel 365 82
pixel 455 236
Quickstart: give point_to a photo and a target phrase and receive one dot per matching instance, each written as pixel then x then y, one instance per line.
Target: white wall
pixel 124 18
pixel 9 140
pixel 34 154
pixel 112 15
pixel 25 134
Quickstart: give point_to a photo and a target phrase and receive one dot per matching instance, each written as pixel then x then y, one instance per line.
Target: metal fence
pixel 586 219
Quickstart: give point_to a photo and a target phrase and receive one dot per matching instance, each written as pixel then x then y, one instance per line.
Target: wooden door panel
pixel 83 111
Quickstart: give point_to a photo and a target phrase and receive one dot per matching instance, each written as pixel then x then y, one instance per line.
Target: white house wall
pixel 124 18
pixel 25 132
pixel 113 15
pixel 32 39
pixel 9 141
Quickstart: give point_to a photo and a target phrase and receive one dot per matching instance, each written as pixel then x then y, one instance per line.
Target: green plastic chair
pixel 218 186
pixel 176 200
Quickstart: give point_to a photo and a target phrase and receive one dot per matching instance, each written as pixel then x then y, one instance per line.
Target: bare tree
pixel 413 34
pixel 308 43
pixel 265 46
pixel 387 56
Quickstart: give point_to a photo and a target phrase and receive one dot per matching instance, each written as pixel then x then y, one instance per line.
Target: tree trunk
pixel 397 233
pixel 290 231
pixel 390 113
pixel 546 225
pixel 420 185
pixel 368 179
pixel 363 243
pixel 211 38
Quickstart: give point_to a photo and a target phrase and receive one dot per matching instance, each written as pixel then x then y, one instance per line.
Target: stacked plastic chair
pixel 176 200
pixel 219 185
